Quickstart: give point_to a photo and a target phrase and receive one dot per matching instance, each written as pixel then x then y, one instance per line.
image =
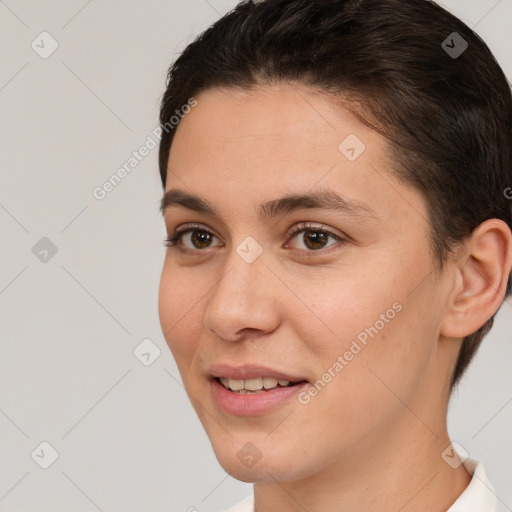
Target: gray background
pixel 126 436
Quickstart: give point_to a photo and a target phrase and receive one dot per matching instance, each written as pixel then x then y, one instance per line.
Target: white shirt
pixel 479 495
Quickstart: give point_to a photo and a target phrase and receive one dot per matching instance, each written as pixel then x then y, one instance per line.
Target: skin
pixel 372 439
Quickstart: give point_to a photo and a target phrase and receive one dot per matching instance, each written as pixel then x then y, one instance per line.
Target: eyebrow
pixel 325 199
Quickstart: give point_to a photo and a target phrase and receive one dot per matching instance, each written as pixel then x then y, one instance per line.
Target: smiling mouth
pixel 255 385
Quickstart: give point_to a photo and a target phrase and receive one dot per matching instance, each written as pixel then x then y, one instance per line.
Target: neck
pixel 398 468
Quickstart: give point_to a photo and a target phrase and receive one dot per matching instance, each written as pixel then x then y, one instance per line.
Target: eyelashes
pixel 317 230
pixel 179 233
pixel 313 240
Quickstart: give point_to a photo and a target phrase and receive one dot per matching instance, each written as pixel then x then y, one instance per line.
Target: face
pixel 333 292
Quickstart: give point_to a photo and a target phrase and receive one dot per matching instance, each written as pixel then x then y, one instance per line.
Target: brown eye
pixel 313 238
pixel 200 239
pixel 191 239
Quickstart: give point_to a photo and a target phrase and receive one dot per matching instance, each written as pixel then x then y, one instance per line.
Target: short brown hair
pixel 448 117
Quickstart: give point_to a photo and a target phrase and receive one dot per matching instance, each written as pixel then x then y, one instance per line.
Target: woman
pixel 339 243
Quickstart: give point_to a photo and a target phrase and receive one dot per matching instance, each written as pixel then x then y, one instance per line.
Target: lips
pixel 245 403
pixel 257 385
pixel 242 390
pixel 251 371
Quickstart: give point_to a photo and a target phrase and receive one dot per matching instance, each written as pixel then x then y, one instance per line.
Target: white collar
pixel 479 495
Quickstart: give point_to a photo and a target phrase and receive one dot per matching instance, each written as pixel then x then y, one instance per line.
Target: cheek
pixel 374 335
pixel 179 310
pixel 347 309
pixel 359 383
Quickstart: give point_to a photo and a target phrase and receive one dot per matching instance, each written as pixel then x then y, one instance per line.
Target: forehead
pixel 242 145
pixel 282 117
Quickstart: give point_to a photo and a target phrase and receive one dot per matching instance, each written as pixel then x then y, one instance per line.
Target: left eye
pixel 314 238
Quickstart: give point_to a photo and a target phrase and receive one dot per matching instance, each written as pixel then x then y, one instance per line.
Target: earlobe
pixel 481 281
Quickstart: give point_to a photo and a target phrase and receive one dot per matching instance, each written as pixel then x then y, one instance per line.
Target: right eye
pixel 198 238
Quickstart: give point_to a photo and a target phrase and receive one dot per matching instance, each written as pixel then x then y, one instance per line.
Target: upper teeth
pixel 253 384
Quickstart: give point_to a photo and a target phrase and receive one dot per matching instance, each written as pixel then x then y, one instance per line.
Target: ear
pixel 481 280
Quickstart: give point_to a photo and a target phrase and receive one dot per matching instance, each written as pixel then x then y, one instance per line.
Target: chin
pixel 242 463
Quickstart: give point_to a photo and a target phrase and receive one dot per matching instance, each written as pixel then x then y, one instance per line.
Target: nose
pixel 244 300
